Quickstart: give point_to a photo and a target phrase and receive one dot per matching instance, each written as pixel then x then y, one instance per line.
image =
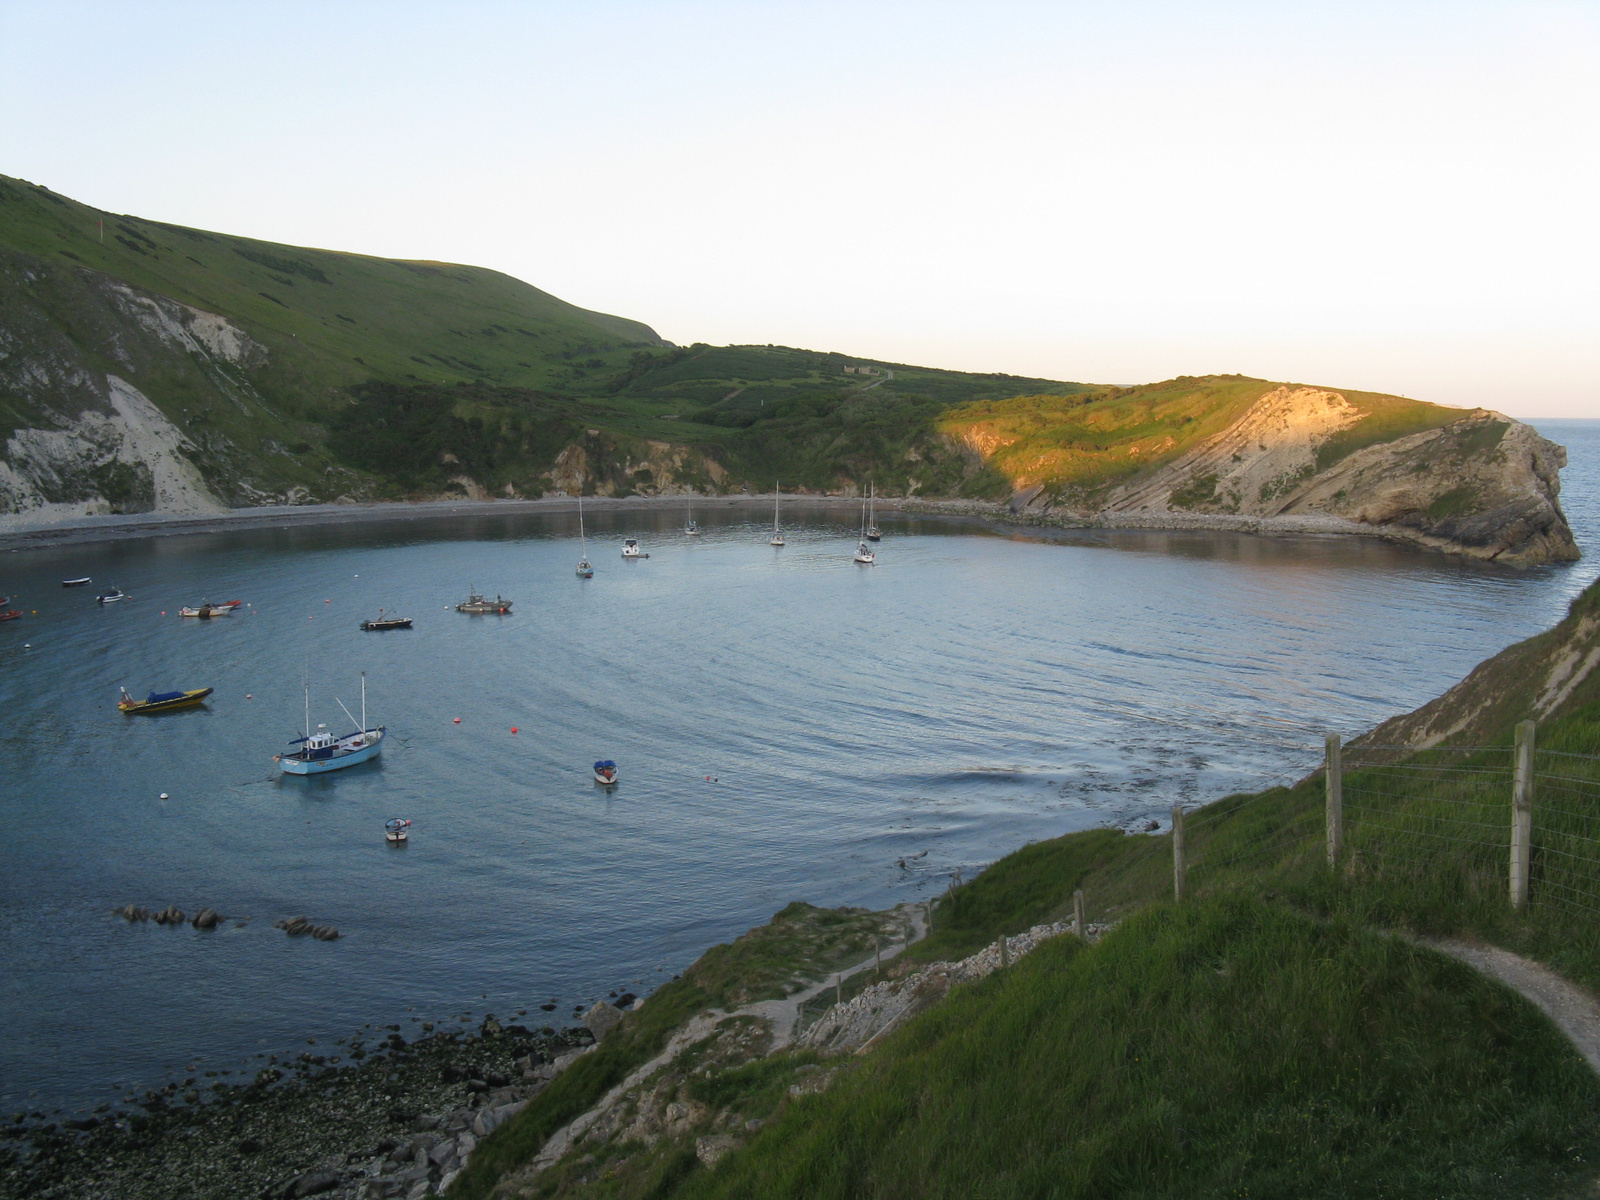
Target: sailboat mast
pixel 777 492
pixel 363 702
pixel 308 707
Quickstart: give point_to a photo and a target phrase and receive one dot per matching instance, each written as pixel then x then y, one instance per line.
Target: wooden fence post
pixel 1177 852
pixel 1005 959
pixel 1079 926
pixel 1522 813
pixel 1335 781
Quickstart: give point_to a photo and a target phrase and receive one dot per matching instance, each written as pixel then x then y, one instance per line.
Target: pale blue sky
pixel 1397 197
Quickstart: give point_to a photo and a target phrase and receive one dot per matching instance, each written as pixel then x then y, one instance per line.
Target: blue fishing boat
pixel 605 772
pixel 323 751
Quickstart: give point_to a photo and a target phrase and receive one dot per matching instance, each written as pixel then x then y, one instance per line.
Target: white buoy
pixel 163 795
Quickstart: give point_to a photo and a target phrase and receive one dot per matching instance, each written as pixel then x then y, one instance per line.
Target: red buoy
pixel 458 720
pixel 513 729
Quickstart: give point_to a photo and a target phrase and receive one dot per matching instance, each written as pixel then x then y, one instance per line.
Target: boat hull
pixel 319 766
pixel 603 781
pixel 187 700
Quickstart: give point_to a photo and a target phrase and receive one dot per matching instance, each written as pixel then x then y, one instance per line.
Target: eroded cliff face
pixel 1485 485
pixel 603 464
pixel 95 378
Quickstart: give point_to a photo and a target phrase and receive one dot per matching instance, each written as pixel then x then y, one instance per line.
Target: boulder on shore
pixel 601 1019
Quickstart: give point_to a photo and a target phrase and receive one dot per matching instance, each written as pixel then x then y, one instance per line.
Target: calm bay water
pixel 789 726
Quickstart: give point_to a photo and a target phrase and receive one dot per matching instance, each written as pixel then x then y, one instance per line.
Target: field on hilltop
pixel 1082 445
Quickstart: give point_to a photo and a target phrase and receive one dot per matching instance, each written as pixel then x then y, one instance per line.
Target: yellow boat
pixel 162 701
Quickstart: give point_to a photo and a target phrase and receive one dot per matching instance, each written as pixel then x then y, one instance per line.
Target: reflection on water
pixel 789 726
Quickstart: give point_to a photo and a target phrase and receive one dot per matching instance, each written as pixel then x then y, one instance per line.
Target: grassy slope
pixel 524 365
pixel 1079 446
pixel 332 318
pixel 1225 1047
pixel 778 414
pixel 758 965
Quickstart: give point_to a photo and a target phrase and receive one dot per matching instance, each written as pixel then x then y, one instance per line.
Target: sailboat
pixel 691 529
pixel 777 534
pixel 585 569
pixel 322 751
pixel 865 554
pixel 873 532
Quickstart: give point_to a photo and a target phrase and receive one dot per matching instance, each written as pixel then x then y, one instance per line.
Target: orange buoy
pixel 458 720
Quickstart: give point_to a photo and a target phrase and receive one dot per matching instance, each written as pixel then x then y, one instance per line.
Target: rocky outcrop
pixel 1484 486
pixel 603 464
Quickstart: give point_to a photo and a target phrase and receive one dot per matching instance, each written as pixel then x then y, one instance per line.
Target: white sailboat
pixel 585 569
pixel 777 534
pixel 873 532
pixel 691 529
pixel 865 554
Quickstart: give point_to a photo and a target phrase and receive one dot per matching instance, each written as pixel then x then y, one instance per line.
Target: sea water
pixel 789 726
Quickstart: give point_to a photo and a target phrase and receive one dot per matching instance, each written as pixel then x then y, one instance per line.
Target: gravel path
pixel 1575 1012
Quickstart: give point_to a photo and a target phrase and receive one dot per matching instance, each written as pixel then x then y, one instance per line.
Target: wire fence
pixel 1512 824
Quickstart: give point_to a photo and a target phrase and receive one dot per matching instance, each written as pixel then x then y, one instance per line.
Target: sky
pixel 1396 197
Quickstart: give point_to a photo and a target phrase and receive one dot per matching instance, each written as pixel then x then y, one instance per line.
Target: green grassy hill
pixel 336 318
pixel 383 377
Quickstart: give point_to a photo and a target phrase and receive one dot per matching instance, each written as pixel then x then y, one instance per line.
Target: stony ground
pixel 393 1123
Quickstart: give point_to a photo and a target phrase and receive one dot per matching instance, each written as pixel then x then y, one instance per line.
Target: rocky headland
pixel 1481 485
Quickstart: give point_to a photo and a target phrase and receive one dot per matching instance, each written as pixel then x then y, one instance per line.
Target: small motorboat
pixel 112 596
pixel 160 702
pixel 5 599
pixel 384 622
pixel 396 829
pixel 477 605
pixel 76 582
pixel 207 610
pixel 605 772
pixel 632 549
pixel 10 616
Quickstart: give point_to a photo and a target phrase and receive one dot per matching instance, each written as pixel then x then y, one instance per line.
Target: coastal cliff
pixel 150 368
pixel 1229 453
